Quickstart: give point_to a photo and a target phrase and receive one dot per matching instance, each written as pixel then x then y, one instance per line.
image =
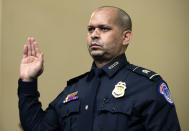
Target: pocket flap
pixel 70 108
pixel 117 106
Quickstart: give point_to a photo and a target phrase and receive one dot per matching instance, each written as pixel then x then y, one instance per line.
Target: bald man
pixel 113 96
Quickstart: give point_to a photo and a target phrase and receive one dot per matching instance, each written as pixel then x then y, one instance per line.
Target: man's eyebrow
pixel 98 26
pixel 101 26
pixel 90 26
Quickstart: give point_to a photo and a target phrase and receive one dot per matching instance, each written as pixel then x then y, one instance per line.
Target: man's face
pixel 105 38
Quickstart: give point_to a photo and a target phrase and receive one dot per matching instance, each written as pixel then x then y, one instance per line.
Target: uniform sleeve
pixel 159 111
pixel 32 117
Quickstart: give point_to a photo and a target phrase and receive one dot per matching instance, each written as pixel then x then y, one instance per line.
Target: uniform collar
pixel 112 67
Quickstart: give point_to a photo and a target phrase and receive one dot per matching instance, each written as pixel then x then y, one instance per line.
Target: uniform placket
pixel 86 119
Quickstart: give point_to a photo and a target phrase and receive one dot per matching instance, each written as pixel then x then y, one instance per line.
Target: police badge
pixel 119 89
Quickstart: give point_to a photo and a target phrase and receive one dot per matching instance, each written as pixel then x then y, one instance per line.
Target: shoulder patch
pixel 144 72
pixel 75 79
pixel 164 90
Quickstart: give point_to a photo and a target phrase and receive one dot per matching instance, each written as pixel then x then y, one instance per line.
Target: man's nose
pixel 95 34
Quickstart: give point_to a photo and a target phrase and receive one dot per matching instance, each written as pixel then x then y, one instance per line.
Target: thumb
pixel 41 57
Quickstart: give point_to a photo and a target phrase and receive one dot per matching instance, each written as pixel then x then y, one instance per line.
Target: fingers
pixel 33 53
pixel 32 47
pixel 29 46
pixel 37 50
pixel 25 51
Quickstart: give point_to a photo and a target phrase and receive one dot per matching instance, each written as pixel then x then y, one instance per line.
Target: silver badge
pixel 119 89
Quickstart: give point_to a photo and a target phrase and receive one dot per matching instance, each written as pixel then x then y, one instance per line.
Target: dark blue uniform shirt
pixel 116 97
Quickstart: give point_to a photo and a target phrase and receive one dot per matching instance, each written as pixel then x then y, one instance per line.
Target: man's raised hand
pixel 32 62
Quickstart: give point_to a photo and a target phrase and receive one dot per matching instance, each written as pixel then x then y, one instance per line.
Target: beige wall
pixel 160 42
pixel 1 88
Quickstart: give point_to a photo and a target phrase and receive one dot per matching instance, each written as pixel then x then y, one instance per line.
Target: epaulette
pixel 75 79
pixel 144 72
pixel 162 85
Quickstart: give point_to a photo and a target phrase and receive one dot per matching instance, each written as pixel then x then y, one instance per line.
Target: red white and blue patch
pixel 71 97
pixel 164 90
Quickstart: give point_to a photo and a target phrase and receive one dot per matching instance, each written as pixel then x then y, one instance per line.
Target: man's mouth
pixel 94 45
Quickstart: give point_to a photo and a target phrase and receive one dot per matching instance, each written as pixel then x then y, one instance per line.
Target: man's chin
pixel 96 53
pixel 97 56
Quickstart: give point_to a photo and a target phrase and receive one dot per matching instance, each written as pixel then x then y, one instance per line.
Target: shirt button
pixel 86 107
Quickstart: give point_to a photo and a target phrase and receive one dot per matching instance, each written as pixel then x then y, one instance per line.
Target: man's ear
pixel 127 36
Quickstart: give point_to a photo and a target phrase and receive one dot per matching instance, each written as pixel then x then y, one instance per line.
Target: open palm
pixel 32 62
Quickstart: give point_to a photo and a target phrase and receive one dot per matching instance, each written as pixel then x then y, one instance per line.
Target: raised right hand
pixel 32 62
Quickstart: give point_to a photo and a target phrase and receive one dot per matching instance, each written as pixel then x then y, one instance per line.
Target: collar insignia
pixel 146 71
pixel 71 97
pixel 119 89
pixel 113 65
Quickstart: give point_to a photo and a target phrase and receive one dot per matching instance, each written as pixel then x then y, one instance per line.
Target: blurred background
pixel 160 43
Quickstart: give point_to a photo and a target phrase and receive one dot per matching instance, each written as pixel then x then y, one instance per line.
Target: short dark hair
pixel 123 19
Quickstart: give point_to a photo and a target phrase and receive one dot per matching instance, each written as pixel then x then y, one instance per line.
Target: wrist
pixel 27 79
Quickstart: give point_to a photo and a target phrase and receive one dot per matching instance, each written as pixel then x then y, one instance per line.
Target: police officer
pixel 113 96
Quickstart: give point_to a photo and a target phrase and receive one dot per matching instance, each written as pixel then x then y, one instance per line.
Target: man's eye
pixel 105 29
pixel 91 29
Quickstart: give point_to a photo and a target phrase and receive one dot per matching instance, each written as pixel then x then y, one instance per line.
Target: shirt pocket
pixel 116 106
pixel 69 113
pixel 114 115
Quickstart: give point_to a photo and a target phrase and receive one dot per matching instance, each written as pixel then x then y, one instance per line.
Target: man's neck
pixel 101 63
